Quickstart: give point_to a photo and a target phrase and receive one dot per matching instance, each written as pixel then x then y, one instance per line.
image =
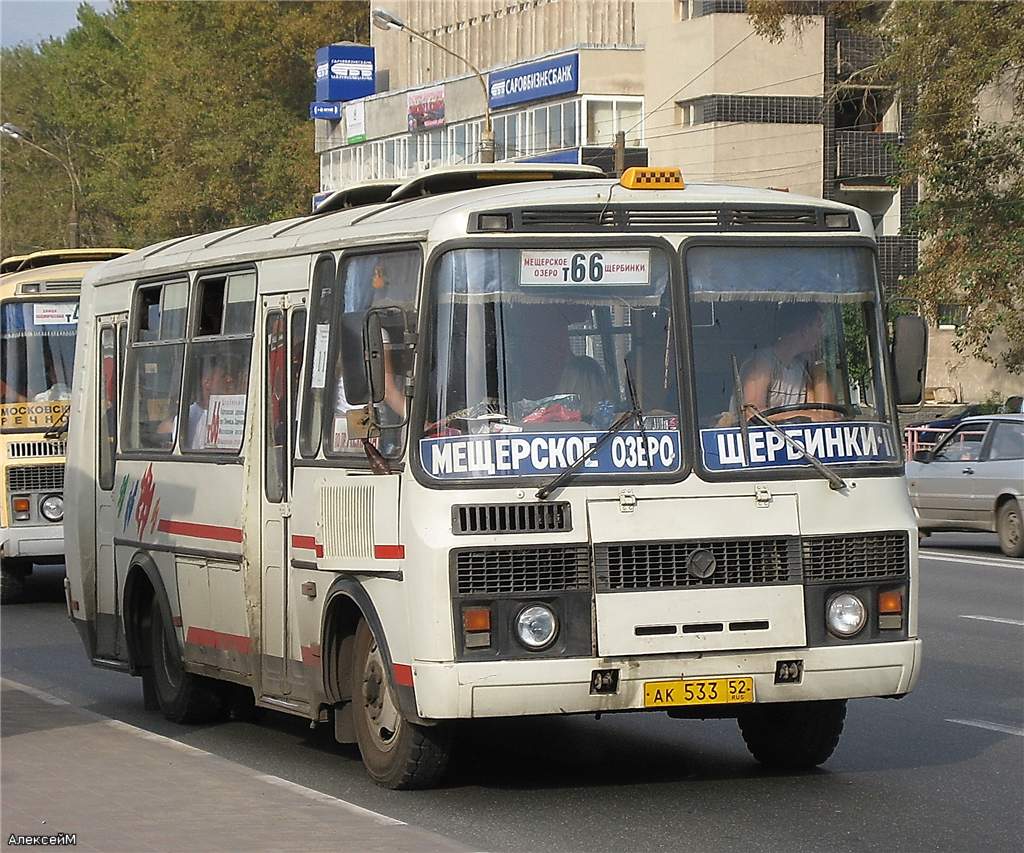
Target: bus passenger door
pixel 283 330
pixel 110 361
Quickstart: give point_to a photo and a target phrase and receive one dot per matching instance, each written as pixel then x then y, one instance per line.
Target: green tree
pixel 176 118
pixel 952 61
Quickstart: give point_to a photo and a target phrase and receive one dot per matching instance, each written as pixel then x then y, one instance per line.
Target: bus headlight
pixel 536 627
pixel 845 614
pixel 52 508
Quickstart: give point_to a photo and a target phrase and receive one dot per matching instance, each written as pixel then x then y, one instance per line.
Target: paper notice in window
pixel 55 313
pixel 225 421
pixel 321 343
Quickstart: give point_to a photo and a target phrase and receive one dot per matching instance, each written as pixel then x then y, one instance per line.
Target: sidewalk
pixel 120 788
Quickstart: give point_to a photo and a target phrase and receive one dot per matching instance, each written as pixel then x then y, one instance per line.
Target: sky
pixel 32 21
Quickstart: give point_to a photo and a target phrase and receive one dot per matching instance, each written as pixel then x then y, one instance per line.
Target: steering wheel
pixel 805 407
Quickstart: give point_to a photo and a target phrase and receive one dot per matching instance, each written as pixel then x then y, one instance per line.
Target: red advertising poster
pixel 426 108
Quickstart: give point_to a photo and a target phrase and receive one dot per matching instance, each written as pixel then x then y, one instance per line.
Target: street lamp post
pixel 386 21
pixel 12 131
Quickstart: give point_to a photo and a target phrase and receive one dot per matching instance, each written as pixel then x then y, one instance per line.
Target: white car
pixel 973 480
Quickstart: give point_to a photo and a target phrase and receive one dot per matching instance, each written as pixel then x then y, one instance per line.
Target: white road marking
pixel 992 727
pixel 994 619
pixel 321 797
pixel 974 560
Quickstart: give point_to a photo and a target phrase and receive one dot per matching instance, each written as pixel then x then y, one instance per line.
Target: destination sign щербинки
pixel 830 442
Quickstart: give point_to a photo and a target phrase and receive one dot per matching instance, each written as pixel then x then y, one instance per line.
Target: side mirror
pixel 373 355
pixel 353 368
pixel 909 358
pixel 924 456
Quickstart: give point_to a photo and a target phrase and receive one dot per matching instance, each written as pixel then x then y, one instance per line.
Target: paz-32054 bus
pixel 510 441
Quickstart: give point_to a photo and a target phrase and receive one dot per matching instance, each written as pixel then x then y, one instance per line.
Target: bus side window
pixel 322 310
pixel 298 348
pixel 276 406
pixel 108 382
pixel 152 387
pixel 217 363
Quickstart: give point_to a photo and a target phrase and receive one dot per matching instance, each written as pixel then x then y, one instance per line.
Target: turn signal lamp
pixel 22 508
pixel 649 178
pixel 476 627
pixel 890 609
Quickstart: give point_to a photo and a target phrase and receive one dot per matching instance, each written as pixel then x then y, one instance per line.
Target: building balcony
pixel 862 157
pixel 855 52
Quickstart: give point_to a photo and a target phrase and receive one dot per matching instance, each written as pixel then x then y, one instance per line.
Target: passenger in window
pixel 219 376
pixel 584 377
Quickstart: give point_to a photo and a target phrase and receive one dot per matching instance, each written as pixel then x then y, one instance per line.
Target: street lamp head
pixel 386 21
pixel 12 131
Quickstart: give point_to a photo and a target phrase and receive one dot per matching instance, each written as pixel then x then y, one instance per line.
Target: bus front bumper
pixel 44 540
pixel 527 687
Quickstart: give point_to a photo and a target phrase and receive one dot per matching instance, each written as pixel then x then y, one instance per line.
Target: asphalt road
pixel 942 769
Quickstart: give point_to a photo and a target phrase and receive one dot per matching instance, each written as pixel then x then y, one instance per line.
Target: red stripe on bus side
pixel 308 543
pixel 403 674
pixel 200 531
pixel 389 552
pixel 218 640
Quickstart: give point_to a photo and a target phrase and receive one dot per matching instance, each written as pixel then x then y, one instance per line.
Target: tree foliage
pixel 174 117
pixel 960 67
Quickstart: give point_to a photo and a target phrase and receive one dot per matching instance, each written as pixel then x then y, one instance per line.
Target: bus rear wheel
pixel 397 754
pixel 182 696
pixel 12 579
pixel 793 735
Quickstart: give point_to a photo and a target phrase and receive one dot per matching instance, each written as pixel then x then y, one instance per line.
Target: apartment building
pixel 688 81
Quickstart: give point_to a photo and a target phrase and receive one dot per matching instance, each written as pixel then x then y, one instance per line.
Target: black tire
pixel 1010 528
pixel 182 696
pixel 397 754
pixel 793 735
pixel 12 580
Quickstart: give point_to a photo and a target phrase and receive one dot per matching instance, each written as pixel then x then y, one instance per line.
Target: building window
pixel 606 117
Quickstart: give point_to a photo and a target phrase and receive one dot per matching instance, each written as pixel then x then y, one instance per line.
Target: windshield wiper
pixel 635 413
pixel 60 427
pixel 835 482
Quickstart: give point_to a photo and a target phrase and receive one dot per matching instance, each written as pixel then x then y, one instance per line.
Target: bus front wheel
pixel 793 735
pixel 182 696
pixel 397 753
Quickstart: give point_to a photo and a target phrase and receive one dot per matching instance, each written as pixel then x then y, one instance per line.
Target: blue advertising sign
pixel 326 110
pixel 522 454
pixel 832 443
pixel 532 82
pixel 344 72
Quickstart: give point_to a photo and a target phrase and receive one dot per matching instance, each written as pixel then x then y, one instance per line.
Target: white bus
pixel 520 440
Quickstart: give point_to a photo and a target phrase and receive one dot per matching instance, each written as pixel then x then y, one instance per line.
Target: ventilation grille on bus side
pixel 32 449
pixel 346 521
pixel 664 565
pixel 511 518
pixel 854 557
pixel 35 478
pixel 497 570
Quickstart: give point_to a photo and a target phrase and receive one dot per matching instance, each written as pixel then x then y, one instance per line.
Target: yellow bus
pixel 38 325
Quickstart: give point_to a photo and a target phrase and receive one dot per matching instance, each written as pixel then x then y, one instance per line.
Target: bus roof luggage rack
pixel 457 178
pixel 359 195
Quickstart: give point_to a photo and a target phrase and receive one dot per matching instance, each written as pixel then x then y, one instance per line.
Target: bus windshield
pixel 38 356
pixel 531 349
pixel 793 335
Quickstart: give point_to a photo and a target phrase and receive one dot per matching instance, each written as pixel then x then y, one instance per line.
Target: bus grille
pixel 511 518
pixel 859 556
pixel 31 449
pixel 531 569
pixel 662 565
pixel 35 478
